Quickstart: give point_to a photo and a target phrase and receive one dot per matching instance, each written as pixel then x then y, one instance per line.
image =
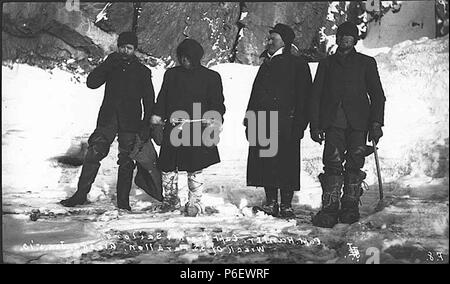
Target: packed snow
pixel 46 115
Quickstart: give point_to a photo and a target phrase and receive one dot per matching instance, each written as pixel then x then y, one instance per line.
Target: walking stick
pixel 380 183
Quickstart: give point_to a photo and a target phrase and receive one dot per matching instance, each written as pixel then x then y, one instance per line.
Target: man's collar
pixel 351 52
pixel 278 52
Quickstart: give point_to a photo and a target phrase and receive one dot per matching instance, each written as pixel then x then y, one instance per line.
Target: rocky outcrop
pixel 162 26
pixel 305 18
pixel 47 34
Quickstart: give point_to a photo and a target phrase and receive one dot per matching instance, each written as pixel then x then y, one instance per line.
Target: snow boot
pixel 327 217
pixel 194 206
pixel 350 200
pixel 171 201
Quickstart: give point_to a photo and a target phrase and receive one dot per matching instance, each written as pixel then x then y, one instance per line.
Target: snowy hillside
pixel 49 115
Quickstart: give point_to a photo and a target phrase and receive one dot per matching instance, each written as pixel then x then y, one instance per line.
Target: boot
pixel 76 199
pixel 194 206
pixel 124 181
pixel 350 200
pixel 270 208
pixel 87 177
pixel 331 191
pixel 286 210
pixel 171 201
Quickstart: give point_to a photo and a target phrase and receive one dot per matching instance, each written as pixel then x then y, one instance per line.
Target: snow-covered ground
pixel 48 115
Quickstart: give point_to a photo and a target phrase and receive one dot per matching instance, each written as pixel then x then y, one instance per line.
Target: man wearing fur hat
pixel 347 103
pixel 128 84
pixel 188 92
pixel 282 86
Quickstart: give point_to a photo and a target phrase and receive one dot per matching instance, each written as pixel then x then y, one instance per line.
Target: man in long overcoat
pixel 282 85
pixel 188 92
pixel 347 102
pixel 128 85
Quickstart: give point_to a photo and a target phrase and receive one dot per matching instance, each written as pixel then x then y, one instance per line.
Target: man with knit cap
pixel 347 104
pixel 189 91
pixel 282 86
pixel 128 88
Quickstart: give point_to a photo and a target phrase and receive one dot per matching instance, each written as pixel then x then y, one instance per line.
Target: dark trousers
pixel 344 150
pixel 272 195
pixel 99 144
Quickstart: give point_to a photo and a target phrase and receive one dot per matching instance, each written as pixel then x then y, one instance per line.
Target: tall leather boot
pixel 350 200
pixel 124 181
pixel 87 177
pixel 327 217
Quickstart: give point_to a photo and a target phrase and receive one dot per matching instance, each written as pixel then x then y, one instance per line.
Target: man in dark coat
pixel 282 84
pixel 128 84
pixel 347 102
pixel 187 93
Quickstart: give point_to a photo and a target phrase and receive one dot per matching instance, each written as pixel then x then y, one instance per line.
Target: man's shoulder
pixel 365 57
pixel 210 73
pixel 298 59
pixel 143 68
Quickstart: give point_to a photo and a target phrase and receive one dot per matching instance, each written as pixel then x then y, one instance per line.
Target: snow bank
pixel 415 76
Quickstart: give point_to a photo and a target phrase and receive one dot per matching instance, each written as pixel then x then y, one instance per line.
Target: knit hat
pixel 348 29
pixel 192 50
pixel 286 33
pixel 127 38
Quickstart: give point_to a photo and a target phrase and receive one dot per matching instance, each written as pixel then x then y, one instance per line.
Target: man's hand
pixel 155 119
pixel 317 135
pixel 375 132
pixel 114 60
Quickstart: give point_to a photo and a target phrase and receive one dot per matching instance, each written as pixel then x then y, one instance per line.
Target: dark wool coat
pixel 354 82
pixel 128 83
pixel 282 84
pixel 181 88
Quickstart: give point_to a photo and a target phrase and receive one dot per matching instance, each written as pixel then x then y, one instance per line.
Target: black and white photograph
pixel 250 133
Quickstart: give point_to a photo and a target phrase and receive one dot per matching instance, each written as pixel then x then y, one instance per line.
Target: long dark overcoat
pixel 282 84
pixel 181 88
pixel 356 83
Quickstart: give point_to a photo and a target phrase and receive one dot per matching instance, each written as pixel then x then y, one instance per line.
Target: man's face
pixel 126 50
pixel 184 61
pixel 274 42
pixel 345 42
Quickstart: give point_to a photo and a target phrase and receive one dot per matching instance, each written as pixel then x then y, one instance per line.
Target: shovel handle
pixel 377 163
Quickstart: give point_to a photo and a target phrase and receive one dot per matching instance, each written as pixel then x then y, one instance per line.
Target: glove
pixel 375 132
pixel 317 135
pixel 144 132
